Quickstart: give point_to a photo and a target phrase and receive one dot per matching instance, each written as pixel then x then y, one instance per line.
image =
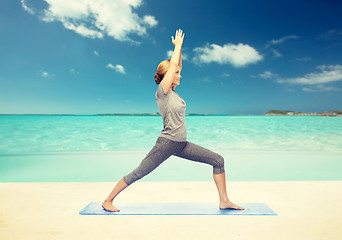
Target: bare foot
pixel 228 204
pixel 108 206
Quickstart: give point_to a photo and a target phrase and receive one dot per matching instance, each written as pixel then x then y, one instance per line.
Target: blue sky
pixel 241 57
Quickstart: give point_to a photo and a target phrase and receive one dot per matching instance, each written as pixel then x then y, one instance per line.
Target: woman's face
pixel 177 77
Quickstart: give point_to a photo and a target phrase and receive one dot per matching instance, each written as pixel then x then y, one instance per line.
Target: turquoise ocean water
pixel 103 148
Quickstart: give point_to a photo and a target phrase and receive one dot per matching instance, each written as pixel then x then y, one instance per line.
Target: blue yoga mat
pixel 95 208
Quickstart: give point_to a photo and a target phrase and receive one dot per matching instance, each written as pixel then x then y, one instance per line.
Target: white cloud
pixel 268 75
pixel 238 55
pixel 74 71
pixel 281 40
pixel 150 20
pixel 303 59
pixel 226 75
pixel 96 53
pixel 334 34
pixel 26 8
pixel 204 79
pixel 169 55
pixel 46 74
pixel 118 68
pixel 320 88
pixel 276 53
pixel 328 74
pixel 95 19
pixel 83 30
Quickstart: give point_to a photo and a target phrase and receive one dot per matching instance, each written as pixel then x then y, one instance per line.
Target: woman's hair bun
pixel 157 78
pixel 163 67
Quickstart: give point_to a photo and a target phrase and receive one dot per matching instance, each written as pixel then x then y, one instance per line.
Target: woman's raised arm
pixel 175 60
pixel 180 60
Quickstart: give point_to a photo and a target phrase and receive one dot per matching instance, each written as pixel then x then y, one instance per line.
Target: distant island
pixel 294 113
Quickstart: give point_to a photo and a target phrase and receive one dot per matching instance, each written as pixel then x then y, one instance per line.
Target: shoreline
pixel 87 166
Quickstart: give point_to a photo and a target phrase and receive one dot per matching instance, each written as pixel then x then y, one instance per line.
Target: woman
pixel 172 140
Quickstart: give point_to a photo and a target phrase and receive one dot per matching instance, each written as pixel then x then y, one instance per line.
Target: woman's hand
pixel 178 40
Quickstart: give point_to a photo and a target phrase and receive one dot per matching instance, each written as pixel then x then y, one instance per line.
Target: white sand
pixel 306 210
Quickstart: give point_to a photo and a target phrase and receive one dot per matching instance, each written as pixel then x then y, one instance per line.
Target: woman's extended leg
pixel 162 150
pixel 197 153
pixel 220 181
pixel 108 203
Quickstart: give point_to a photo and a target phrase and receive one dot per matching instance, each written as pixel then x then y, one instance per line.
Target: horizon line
pixel 270 112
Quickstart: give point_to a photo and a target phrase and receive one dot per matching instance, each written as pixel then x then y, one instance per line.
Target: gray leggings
pixel 164 148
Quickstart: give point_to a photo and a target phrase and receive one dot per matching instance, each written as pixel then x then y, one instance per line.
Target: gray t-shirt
pixel 172 109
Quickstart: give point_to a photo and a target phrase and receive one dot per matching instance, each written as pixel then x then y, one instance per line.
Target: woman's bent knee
pixel 131 177
pixel 125 180
pixel 219 167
